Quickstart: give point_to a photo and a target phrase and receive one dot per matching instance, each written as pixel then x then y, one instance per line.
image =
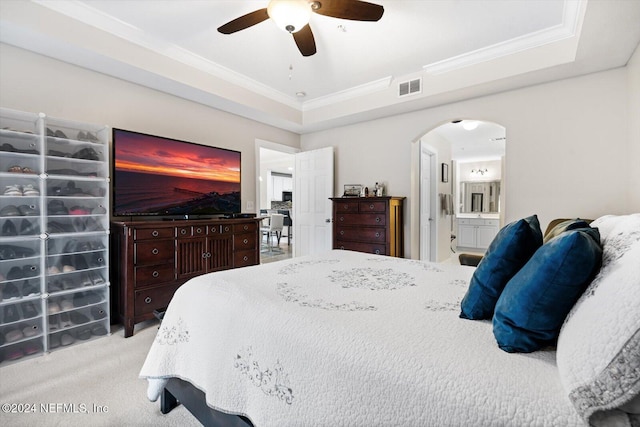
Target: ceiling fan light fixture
pixel 289 15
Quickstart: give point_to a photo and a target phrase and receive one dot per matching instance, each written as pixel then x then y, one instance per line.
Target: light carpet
pixel 90 384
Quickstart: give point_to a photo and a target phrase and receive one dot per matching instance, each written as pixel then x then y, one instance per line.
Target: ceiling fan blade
pixel 245 21
pixel 348 9
pixel 305 41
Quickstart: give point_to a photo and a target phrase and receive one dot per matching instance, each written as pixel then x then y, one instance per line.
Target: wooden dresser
pixel 150 260
pixel 369 224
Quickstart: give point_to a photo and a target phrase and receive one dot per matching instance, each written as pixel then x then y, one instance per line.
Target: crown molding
pixel 344 95
pixel 572 18
pixel 84 13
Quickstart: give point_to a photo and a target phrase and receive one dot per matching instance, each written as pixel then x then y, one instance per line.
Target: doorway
pixel 461 151
pixel 275 194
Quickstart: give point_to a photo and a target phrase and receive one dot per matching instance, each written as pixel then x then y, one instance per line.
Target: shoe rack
pixel 54 234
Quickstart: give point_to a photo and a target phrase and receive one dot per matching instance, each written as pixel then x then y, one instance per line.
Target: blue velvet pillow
pixel 507 253
pixel 535 302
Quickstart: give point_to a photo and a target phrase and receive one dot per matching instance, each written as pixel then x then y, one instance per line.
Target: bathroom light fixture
pixel 470 124
pixel 289 15
pixel 479 171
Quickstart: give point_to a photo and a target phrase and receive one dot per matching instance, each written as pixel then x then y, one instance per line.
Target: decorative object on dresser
pixel 352 190
pixel 151 259
pixel 369 224
pixel 54 222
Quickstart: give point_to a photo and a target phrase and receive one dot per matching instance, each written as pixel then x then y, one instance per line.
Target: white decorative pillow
pixel 598 352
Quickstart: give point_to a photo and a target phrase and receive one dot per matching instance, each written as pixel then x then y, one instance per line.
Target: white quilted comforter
pixel 347 338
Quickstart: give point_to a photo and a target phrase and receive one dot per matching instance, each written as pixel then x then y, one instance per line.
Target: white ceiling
pixel 459 48
pixel 485 142
pixel 410 35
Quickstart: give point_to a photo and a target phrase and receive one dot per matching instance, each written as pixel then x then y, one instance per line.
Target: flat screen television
pixel 162 177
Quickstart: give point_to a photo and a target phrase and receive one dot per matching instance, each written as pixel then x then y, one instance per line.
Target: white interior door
pixel 313 186
pixel 428 234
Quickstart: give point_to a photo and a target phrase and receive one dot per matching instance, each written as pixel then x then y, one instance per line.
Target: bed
pixel 346 338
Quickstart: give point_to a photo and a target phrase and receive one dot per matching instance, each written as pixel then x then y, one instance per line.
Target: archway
pixel 456 148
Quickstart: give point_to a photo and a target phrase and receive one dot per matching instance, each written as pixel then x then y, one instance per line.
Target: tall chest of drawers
pixel 150 260
pixel 369 224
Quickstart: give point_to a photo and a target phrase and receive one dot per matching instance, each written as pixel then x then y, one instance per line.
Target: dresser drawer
pixel 244 258
pixel 362 234
pixel 244 228
pixel 347 207
pixel 153 233
pixel 191 231
pixel 373 207
pixel 151 299
pixel 243 242
pixel 154 274
pixel 362 247
pixel 154 252
pixel 361 219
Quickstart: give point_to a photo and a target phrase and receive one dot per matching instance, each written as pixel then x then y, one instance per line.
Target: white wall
pixel 633 158
pixel 35 83
pixel 565 157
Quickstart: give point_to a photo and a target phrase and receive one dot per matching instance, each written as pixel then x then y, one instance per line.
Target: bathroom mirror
pixel 479 197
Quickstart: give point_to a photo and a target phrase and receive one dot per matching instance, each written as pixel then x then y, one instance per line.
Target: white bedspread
pixel 347 338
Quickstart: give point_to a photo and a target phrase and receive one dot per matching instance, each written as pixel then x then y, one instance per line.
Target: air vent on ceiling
pixel 410 87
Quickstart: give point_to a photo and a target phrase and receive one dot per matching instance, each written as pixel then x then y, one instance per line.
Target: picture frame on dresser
pixel 352 190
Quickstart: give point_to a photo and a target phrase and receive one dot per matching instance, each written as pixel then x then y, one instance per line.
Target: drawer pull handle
pixel 341 218
pixel 377 252
pixel 198 230
pixel 371 206
pixel 245 241
pixel 342 247
pixel 378 234
pixel 155 233
pixel 226 228
pixel 377 219
pixel 155 251
pixel 204 255
pixel 155 274
pixel 245 258
pixel 147 300
pixel 342 232
pixel 246 227
pixel 183 231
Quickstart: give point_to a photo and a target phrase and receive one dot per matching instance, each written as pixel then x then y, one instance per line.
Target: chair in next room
pixel 276 224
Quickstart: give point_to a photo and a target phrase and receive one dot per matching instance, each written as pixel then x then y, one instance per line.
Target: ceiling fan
pixel 293 16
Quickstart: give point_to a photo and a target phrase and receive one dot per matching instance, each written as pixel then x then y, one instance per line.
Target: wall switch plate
pixel 250 205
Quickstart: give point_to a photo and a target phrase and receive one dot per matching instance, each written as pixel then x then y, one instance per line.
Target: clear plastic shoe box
pixel 54 233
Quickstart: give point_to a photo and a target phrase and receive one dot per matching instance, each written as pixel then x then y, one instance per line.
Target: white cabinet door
pixel 277 188
pixel 485 236
pixel 467 236
pixel 287 184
